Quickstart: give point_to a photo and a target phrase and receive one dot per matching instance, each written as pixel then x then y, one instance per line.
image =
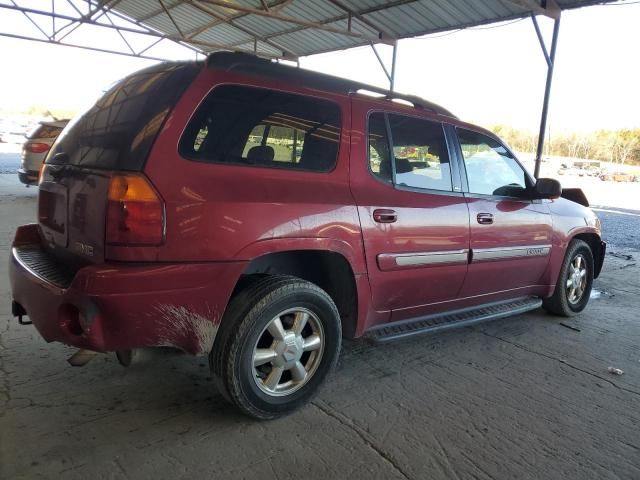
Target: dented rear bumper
pixel 118 306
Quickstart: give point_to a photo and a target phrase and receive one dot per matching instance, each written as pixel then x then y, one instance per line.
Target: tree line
pixel 617 146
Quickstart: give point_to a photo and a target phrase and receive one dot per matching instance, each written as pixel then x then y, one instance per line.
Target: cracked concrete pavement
pixel 518 398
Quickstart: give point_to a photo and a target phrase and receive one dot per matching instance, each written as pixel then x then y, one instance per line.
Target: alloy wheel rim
pixel 288 352
pixel 576 279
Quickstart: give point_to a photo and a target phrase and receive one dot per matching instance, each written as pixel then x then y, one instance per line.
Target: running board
pixel 450 320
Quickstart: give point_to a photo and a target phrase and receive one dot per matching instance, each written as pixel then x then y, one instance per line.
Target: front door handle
pixel 485 218
pixel 385 215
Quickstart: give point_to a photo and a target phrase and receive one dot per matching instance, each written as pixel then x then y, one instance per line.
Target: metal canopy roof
pixel 270 28
pixel 294 28
pixel 285 29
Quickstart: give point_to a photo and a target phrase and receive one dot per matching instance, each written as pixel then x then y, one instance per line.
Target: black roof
pixel 246 63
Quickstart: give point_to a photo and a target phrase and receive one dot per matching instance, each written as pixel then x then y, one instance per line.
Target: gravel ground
pixel 621 228
pixel 528 397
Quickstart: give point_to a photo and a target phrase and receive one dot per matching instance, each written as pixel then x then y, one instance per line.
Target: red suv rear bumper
pixel 116 306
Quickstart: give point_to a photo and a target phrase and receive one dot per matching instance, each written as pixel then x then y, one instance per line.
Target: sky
pixel 484 75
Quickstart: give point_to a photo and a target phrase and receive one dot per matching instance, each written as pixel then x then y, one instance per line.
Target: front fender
pixel 561 240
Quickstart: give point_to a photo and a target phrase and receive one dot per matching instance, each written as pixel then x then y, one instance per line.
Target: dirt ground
pixel 528 397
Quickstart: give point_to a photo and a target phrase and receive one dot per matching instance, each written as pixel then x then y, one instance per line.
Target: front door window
pixel 491 168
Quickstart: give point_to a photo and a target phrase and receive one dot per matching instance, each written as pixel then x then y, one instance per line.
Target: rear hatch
pixel 114 135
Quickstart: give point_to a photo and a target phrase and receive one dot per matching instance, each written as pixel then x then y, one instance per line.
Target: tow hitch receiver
pixel 18 310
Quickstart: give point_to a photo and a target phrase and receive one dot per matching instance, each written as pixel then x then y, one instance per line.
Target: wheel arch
pixel 328 269
pixel 597 249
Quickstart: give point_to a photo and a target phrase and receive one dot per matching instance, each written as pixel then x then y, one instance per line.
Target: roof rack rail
pixel 247 63
pixel 417 102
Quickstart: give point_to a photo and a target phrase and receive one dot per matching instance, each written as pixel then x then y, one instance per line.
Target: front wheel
pixel 279 340
pixel 573 288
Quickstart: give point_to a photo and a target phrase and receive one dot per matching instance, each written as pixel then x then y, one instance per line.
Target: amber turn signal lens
pixel 132 188
pixel 135 212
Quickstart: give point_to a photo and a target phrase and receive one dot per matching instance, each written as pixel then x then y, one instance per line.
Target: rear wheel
pixel 573 288
pixel 279 339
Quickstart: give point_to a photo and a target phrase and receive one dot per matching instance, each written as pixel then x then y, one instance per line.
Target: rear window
pixel 254 126
pixel 118 131
pixel 45 131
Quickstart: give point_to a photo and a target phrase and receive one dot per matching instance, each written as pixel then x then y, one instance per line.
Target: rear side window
pixel 118 131
pixel 253 126
pixel 45 131
pixel 286 142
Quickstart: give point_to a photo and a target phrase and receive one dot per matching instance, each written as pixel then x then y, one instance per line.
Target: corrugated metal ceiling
pixel 294 28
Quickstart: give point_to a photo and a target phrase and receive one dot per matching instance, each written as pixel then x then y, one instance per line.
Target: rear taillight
pixel 135 213
pixel 36 147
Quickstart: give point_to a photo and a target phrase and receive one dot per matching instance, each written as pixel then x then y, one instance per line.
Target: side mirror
pixel 548 188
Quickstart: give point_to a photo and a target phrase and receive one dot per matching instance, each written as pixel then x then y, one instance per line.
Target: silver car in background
pixel 35 149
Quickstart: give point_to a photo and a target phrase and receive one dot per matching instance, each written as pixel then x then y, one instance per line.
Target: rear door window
pixel 378 142
pixel 419 152
pixel 259 127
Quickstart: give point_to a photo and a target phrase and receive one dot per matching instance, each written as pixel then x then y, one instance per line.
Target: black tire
pixel 244 325
pixel 560 303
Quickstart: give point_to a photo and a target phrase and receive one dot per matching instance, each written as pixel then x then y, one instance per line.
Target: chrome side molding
pixel 395 261
pixel 392 261
pixel 505 253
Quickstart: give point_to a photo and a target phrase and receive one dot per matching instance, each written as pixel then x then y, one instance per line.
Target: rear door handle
pixel 485 218
pixel 385 215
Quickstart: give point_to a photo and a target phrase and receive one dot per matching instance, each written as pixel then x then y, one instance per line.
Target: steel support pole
pixel 392 79
pixel 382 65
pixel 547 93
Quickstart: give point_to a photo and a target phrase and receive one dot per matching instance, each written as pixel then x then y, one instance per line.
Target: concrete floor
pixel 519 398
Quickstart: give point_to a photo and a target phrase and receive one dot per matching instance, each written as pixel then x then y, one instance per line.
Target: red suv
pixel 257 213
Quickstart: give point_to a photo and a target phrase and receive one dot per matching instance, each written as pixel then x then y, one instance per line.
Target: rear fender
pixel 355 256
pixel 366 316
